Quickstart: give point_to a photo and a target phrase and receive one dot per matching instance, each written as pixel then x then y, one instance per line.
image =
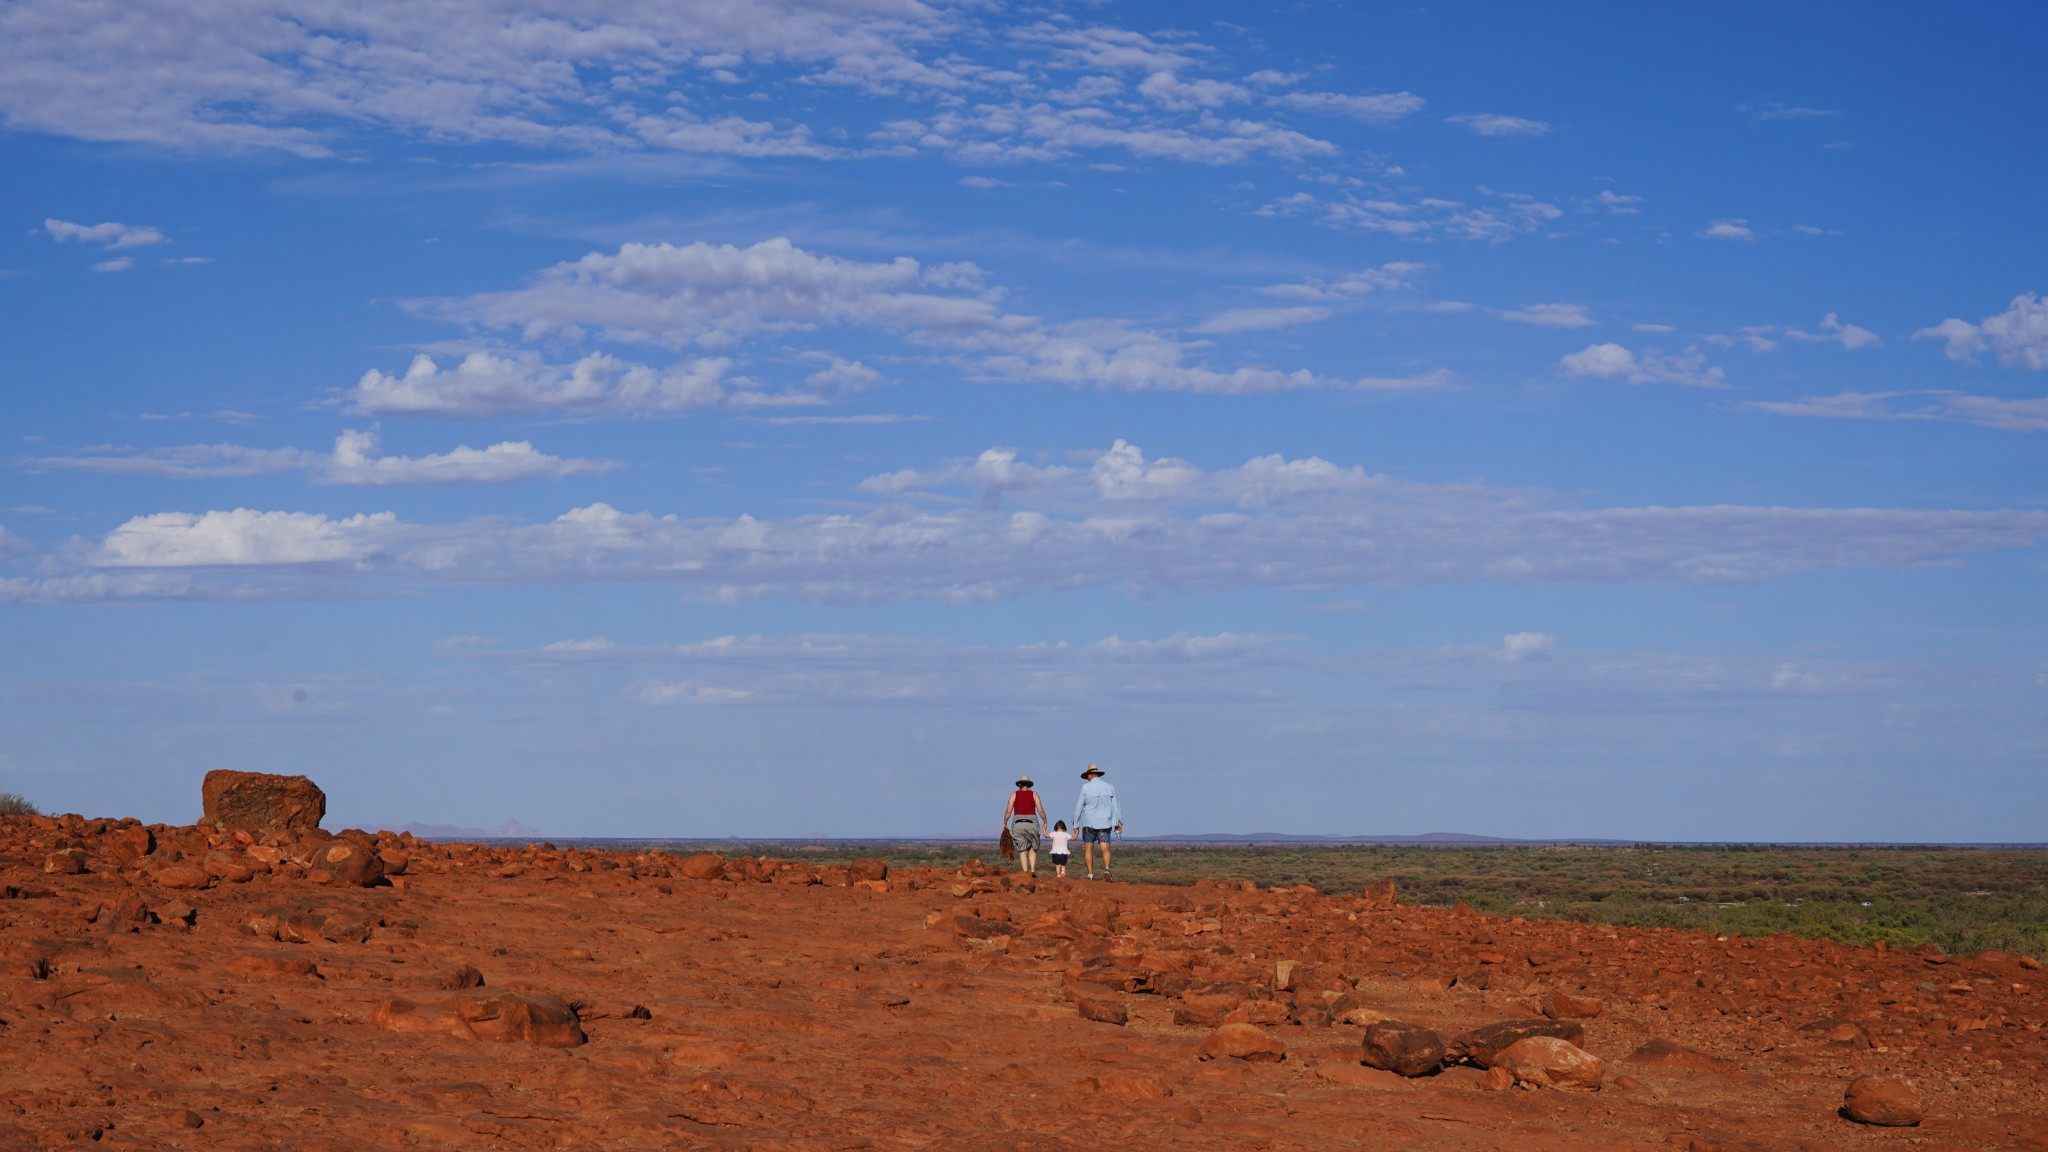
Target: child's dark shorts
pixel 1059 858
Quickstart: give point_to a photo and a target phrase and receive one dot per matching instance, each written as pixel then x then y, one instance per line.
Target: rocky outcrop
pixel 260 802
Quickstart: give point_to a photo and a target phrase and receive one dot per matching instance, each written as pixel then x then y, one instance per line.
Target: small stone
pixel 1402 1048
pixel 1559 1004
pixel 1205 1011
pixel 1548 1062
pixel 183 876
pixel 64 862
pixel 1887 1101
pixel 1496 1079
pixel 1242 1042
pixel 467 976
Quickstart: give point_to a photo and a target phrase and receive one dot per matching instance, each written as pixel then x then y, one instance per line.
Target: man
pixel 1097 816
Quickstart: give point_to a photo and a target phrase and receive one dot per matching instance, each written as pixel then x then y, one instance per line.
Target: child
pixel 1060 836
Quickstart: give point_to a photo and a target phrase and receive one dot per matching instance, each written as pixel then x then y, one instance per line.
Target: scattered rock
pixel 1242 1042
pixel 64 862
pixel 1482 1044
pixel 1660 1053
pixel 1887 1101
pixel 267 967
pixel 703 866
pixel 1205 1011
pixel 182 876
pixel 1839 1033
pixel 1402 1048
pixel 870 868
pixel 1379 895
pixel 1352 1008
pixel 1548 1062
pixel 1559 1004
pixel 466 976
pixel 1105 1009
pixel 348 864
pixel 502 1016
pixel 1496 1079
pixel 260 802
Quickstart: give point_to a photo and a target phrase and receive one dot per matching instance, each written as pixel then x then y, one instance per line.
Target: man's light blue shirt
pixel 1097 807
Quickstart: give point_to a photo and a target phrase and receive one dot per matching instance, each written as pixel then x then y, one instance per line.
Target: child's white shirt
pixel 1059 841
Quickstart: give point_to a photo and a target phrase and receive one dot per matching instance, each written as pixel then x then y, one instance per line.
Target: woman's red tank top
pixel 1024 803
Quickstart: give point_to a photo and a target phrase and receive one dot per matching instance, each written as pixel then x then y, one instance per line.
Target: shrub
pixel 15 804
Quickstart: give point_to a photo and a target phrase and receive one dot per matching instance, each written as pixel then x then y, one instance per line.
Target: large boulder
pixel 1242 1042
pixel 1482 1044
pixel 260 801
pixel 1548 1062
pixel 1402 1048
pixel 1885 1101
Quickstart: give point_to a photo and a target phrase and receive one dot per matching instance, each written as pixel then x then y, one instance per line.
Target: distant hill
pixel 509 830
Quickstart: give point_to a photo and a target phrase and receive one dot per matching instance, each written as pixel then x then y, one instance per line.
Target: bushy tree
pixel 15 804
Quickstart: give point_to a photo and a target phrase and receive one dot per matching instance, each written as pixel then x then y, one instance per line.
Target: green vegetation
pixel 1964 900
pixel 15 804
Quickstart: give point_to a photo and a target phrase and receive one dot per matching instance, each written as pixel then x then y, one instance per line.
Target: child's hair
pixel 1059 825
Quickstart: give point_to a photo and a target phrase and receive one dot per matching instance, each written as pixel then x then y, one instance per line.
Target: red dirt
pixel 780 1006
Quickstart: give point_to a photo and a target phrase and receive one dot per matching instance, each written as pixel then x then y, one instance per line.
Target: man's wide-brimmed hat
pixel 1092 771
pixel 1024 782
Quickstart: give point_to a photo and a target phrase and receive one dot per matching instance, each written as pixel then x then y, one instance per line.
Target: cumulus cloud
pixel 1727 230
pixel 109 235
pixel 718 296
pixel 1550 315
pixel 354 461
pixel 1834 331
pixel 1611 361
pixel 1124 521
pixel 117 264
pixel 1491 124
pixel 2018 336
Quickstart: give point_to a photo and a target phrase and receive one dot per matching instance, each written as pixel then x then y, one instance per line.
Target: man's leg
pixel 1105 857
pixel 1088 851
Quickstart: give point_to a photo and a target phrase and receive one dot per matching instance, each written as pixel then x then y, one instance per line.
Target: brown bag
pixel 1008 845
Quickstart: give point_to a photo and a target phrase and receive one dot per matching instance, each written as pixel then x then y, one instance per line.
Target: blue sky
pixel 792 418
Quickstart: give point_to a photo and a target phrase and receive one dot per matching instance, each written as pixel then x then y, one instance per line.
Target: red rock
pixel 395 860
pixel 1402 1048
pixel 466 976
pixel 1497 1079
pixel 1380 894
pixel 703 866
pixel 260 801
pixel 1559 1004
pixel 129 844
pixel 348 864
pixel 1242 1042
pixel 870 868
pixel 1482 1044
pixel 183 875
pixel 1206 1011
pixel 502 1016
pixel 64 862
pixel 1888 1101
pixel 264 967
pixel 1661 1053
pixel 1840 1033
pixel 1548 1062
pixel 1105 1009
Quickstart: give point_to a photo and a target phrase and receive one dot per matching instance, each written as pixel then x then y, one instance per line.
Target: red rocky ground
pixel 168 987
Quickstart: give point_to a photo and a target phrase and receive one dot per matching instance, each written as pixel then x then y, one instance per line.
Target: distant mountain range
pixel 509 830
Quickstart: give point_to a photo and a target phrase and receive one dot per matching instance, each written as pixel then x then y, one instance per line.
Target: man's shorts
pixel 1024 833
pixel 1093 835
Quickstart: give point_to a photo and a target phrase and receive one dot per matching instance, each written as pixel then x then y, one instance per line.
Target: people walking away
pixel 1098 817
pixel 1059 837
pixel 1024 816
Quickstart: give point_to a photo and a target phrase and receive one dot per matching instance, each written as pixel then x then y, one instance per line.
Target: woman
pixel 1024 816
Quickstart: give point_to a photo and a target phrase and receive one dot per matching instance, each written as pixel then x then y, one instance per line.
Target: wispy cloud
pixel 2001 413
pixel 355 461
pixel 1610 361
pixel 109 235
pixel 1550 315
pixel 1493 124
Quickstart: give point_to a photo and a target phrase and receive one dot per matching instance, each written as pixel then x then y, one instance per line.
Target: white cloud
pixel 2006 415
pixel 1728 230
pixel 117 264
pixel 354 462
pixel 242 537
pixel 1491 124
pixel 1659 329
pixel 2018 336
pixel 1611 361
pixel 1170 91
pixel 1377 109
pixel 108 235
pixel 1125 521
pixel 1261 319
pixel 1767 112
pixel 1833 331
pixel 1528 645
pixel 1550 315
pixel 1394 276
pixel 719 296
pixel 1617 204
pixel 1423 218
